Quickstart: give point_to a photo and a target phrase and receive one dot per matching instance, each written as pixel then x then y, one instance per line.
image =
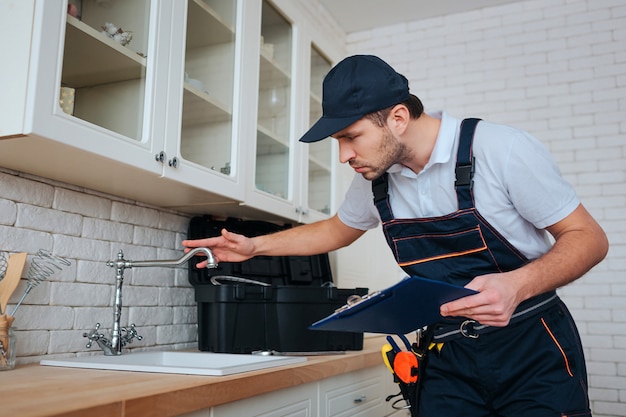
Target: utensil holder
pixel 7 348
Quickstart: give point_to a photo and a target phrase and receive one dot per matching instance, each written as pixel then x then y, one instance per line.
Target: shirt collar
pixel 442 152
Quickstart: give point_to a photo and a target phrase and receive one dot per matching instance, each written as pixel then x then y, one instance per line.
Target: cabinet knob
pixel 361 399
pixel 160 157
pixel 173 162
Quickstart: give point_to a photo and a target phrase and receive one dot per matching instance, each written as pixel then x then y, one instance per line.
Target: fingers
pixel 493 305
pixel 194 243
pixel 201 265
pixel 227 247
pixel 231 240
pixel 486 308
pixel 463 307
pixel 210 242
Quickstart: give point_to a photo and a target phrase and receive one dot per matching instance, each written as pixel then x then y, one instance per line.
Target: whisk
pixel 42 267
pixel 3 264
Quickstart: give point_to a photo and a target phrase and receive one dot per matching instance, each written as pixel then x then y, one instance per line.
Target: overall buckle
pixel 465 173
pixel 467 329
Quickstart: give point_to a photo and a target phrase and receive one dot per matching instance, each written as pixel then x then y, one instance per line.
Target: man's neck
pixel 420 138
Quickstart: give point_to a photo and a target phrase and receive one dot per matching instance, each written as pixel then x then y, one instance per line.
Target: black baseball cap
pixel 356 86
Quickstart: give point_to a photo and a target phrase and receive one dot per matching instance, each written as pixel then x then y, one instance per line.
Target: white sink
pixel 191 363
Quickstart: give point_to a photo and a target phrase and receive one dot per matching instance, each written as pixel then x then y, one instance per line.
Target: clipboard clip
pixel 355 300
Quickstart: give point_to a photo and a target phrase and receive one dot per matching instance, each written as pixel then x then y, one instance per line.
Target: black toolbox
pixel 242 317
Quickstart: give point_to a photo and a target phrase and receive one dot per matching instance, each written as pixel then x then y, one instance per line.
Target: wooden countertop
pixel 36 391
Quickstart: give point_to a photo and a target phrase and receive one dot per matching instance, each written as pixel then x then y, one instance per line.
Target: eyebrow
pixel 345 134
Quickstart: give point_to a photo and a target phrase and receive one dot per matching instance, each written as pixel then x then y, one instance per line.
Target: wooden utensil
pixel 5 343
pixel 11 278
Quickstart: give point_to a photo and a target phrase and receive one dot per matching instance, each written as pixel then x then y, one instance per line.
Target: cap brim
pixel 326 127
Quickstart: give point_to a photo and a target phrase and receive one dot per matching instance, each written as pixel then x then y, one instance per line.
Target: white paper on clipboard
pixel 402 308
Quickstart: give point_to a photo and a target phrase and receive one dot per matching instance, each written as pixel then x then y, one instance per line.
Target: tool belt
pixel 450 329
pixel 407 367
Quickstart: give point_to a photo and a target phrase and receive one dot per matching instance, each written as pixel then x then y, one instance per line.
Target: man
pixel 467 202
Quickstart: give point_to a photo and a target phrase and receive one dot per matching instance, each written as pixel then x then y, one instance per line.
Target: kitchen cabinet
pixel 361 393
pixel 60 120
pixel 195 106
pixel 289 177
pixel 322 156
pixel 209 52
pixel 298 401
pixel 95 109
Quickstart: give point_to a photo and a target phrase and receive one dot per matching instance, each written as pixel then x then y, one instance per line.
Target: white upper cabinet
pixel 272 184
pixel 193 105
pixel 85 92
pixel 207 133
pixel 291 179
pixel 322 155
pixel 204 145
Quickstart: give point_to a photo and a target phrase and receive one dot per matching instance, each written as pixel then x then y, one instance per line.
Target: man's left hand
pixel 494 304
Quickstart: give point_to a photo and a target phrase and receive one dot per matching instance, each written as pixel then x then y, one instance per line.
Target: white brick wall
pixel 88 229
pixel 556 68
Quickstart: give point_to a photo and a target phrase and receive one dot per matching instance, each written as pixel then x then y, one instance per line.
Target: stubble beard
pixel 391 152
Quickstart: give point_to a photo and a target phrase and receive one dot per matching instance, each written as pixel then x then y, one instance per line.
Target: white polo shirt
pixel 518 188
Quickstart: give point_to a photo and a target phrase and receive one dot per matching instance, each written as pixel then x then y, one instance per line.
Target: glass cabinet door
pixel 273 126
pixel 104 64
pixel 209 80
pixel 320 153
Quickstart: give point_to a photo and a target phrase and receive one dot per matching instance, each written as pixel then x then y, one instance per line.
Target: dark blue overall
pixel 534 367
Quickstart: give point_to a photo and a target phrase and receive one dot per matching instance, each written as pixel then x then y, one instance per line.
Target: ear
pixel 398 119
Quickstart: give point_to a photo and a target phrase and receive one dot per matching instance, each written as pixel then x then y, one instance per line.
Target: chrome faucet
pixel 121 336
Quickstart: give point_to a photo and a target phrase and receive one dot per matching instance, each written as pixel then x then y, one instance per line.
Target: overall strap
pixel 464 175
pixel 465 165
pixel 380 189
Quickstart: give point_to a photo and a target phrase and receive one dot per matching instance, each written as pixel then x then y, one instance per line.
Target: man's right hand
pixel 228 247
pixel 305 240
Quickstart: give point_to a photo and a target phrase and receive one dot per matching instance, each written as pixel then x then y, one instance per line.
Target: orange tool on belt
pixel 404 364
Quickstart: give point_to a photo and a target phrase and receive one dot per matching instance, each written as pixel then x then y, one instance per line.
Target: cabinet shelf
pixel 201 108
pixel 92 58
pixel 317 164
pixel 272 73
pixel 272 161
pixel 206 26
pixel 268 139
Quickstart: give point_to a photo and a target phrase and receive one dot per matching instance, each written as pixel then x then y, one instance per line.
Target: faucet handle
pixel 94 336
pixel 131 334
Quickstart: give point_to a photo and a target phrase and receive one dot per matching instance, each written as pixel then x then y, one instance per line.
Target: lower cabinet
pixel 300 401
pixel 356 394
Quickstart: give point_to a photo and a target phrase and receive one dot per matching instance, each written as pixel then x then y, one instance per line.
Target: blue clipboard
pixel 400 309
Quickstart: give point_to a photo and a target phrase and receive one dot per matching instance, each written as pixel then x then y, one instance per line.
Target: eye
pixel 351 137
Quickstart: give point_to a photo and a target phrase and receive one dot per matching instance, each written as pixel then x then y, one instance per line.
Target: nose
pixel 346 153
